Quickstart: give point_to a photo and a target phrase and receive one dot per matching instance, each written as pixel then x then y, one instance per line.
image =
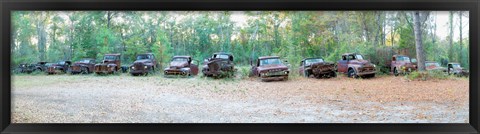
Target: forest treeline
pixel 294 35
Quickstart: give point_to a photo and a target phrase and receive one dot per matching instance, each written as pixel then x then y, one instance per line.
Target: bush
pixel 243 71
pixel 427 75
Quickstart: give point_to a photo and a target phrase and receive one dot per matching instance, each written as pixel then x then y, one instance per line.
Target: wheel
pixel 333 74
pixel 84 70
pixel 351 73
pixel 395 71
pixel 306 73
pixel 151 70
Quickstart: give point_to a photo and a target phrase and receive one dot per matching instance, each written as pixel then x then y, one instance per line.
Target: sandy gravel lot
pixel 155 99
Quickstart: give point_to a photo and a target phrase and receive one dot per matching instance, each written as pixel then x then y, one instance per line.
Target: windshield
pixel 141 57
pixel 311 61
pixel 85 61
pixel 221 56
pixel 432 64
pixel 270 62
pixel 403 58
pixel 179 59
pixel 61 62
pixel 359 57
pixel 456 65
pixel 109 57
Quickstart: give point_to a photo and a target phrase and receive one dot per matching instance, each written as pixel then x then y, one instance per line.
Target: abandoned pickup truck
pixel 84 66
pixel 355 66
pixel 317 67
pixel 110 65
pixel 434 66
pixel 181 65
pixel 455 69
pixel 219 65
pixel 24 68
pixel 41 66
pixel 144 64
pixel 401 64
pixel 60 67
pixel 270 68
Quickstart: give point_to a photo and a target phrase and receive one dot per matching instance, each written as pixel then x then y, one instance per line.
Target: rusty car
pixel 455 69
pixel 401 64
pixel 354 65
pixel 84 66
pixel 110 65
pixel 181 65
pixel 317 68
pixel 24 68
pixel 59 67
pixel 219 65
pixel 144 64
pixel 270 68
pixel 434 66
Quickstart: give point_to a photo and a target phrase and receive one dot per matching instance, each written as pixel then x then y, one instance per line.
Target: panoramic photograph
pixel 239 66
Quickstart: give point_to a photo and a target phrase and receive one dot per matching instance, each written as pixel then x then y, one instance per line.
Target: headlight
pixel 145 67
pixel 286 72
pixel 133 67
pixel 374 65
pixel 403 67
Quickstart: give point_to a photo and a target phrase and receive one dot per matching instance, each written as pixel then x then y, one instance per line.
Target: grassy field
pixel 154 98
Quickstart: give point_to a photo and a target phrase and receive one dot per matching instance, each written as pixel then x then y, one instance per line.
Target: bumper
pixel 138 71
pixel 268 78
pixel 54 71
pixel 366 73
pixel 175 72
pixel 407 70
pixel 76 71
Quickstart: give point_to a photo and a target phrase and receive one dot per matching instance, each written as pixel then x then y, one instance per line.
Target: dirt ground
pixel 155 99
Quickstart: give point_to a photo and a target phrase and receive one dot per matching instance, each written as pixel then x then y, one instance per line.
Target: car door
pixel 342 64
pixel 301 69
pixel 194 67
pixel 255 68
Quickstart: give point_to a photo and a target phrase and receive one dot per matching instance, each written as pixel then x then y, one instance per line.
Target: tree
pixel 418 41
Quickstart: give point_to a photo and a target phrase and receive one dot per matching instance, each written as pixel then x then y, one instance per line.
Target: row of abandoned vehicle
pixel 221 64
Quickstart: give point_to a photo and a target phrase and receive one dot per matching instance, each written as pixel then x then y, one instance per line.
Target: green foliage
pixel 293 35
pixel 435 74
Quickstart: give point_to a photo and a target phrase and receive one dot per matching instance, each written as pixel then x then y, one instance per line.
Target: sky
pixel 442 17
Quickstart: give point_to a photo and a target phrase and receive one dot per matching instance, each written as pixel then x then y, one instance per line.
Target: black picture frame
pixel 472 6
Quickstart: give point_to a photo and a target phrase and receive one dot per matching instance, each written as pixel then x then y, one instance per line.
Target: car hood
pixel 405 63
pixel 434 68
pixel 79 63
pixel 360 62
pixel 142 61
pixel 178 64
pixel 272 67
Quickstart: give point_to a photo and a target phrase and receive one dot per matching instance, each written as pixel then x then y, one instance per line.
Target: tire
pixel 352 73
pixel 84 70
pixel 305 73
pixel 333 74
pixel 395 72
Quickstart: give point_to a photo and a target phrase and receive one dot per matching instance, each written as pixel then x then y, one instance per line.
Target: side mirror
pixel 413 60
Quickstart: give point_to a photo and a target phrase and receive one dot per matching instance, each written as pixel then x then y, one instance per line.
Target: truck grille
pixel 76 68
pixel 214 66
pixel 138 66
pixel 367 69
